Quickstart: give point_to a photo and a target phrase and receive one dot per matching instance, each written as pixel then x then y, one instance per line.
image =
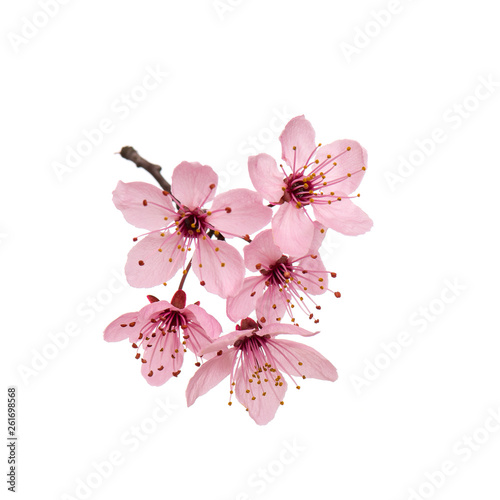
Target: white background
pixel 234 74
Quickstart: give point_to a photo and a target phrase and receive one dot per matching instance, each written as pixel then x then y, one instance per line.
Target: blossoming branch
pixel 185 226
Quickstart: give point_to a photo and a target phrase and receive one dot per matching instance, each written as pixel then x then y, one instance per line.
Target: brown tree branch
pixel 129 153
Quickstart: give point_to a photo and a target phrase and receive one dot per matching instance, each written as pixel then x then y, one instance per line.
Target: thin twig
pixel 184 275
pixel 129 153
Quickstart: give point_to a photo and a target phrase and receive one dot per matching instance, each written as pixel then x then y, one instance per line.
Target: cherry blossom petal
pixel 343 216
pixel 160 365
pixel 226 341
pixel 239 212
pixel 150 310
pixel 243 303
pixel 211 326
pixel 196 338
pixel 349 162
pixel 156 267
pixel 318 237
pixel 191 184
pixel 288 354
pixel 129 198
pixel 298 133
pixel 281 328
pixel 293 231
pixel 266 177
pixel 222 270
pixel 262 250
pixel 262 409
pixel 272 304
pixel 124 327
pixel 209 375
pixel 316 276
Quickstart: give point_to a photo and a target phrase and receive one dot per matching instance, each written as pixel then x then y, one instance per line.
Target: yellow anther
pixel 348 148
pixel 222 264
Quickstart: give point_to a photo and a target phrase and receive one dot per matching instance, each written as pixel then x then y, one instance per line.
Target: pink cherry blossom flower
pixel 177 222
pixel 283 282
pixel 162 331
pixel 256 364
pixel 321 178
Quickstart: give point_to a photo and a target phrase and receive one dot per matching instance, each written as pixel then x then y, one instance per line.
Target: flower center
pixel 279 272
pixel 191 222
pixel 299 189
pixel 151 336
